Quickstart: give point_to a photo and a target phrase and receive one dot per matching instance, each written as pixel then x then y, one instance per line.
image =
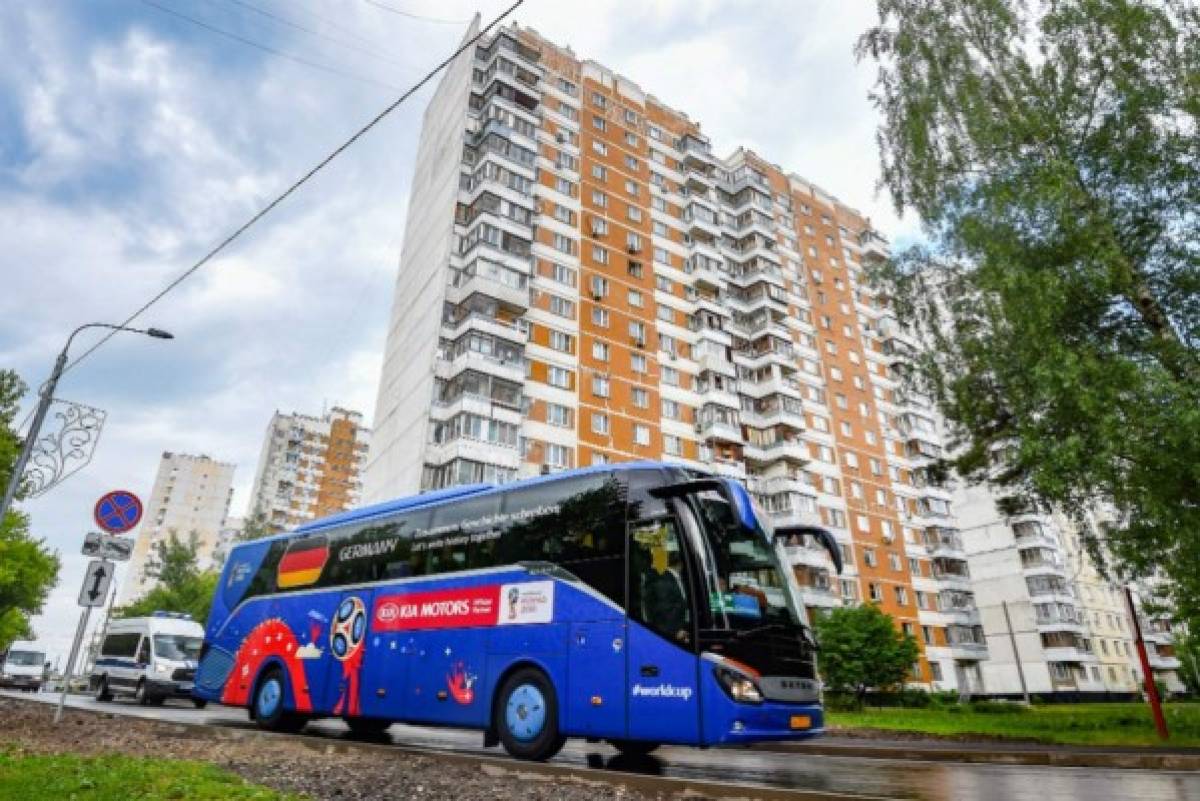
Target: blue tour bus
pixel 638 603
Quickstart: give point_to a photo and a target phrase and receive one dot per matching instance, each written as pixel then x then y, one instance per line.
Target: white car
pixel 23 666
pixel 150 658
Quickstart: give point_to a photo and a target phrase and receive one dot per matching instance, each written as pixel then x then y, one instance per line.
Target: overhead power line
pixel 282 20
pixel 267 48
pixel 401 12
pixel 224 243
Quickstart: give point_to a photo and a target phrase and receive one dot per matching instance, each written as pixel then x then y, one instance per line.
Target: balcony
pixel 509 288
pixel 697 153
pixel 719 431
pixel 447 366
pixel 807 555
pixel 701 222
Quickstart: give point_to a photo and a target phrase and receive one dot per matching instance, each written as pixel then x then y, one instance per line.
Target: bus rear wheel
pixel 270 709
pixel 634 748
pixel 525 716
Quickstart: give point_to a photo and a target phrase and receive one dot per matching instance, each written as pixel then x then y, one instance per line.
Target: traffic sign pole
pixel 62 699
pixel 95 587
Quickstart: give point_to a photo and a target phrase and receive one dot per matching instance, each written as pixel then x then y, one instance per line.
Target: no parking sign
pixel 118 511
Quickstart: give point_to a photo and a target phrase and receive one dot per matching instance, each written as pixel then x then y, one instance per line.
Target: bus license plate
pixel 801 722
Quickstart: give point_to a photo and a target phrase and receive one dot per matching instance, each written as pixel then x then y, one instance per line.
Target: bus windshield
pixel 751 586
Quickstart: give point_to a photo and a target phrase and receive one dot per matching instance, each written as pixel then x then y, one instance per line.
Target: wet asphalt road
pixel 853 776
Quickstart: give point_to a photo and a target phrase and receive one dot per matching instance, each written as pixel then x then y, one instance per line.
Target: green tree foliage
pixel 861 648
pixel 1051 151
pixel 181 586
pixel 28 570
pixel 257 526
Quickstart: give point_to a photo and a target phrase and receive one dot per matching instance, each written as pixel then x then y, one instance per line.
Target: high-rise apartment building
pixel 584 281
pixel 191 494
pixel 1045 604
pixel 309 467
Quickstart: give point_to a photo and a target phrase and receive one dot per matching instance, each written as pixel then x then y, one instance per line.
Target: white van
pixel 23 666
pixel 150 658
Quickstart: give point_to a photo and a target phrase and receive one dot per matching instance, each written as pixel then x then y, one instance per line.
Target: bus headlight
pixel 740 687
pixel 161 667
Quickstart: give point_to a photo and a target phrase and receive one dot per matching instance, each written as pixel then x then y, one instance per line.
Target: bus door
pixel 357 660
pixel 661 664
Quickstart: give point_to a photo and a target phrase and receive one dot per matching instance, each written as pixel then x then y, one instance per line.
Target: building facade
pixel 190 494
pixel 584 281
pixel 309 467
pixel 1045 604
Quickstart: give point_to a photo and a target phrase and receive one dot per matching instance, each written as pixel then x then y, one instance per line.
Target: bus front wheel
pixel 526 716
pixel 270 709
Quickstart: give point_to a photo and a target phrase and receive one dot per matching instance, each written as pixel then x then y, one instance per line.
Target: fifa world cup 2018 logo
pixel 514 595
pixel 347 634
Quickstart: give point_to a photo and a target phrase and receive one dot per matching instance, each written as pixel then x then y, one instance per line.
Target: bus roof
pixel 451 493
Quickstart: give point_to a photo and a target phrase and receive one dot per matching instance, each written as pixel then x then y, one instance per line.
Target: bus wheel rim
pixel 269 697
pixel 525 712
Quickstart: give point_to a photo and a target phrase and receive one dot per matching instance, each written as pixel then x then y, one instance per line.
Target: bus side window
pixel 576 523
pixel 143 654
pixel 658 584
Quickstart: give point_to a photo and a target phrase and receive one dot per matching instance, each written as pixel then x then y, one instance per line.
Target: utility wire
pixel 292 24
pixel 267 48
pixel 189 272
pixel 410 15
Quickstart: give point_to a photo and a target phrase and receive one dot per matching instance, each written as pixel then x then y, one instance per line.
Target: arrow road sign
pixel 95 583
pixel 106 546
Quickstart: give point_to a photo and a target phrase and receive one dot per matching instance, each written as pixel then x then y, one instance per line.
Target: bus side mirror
pixel 821 535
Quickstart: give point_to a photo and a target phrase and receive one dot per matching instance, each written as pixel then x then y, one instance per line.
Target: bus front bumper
pixel 744 723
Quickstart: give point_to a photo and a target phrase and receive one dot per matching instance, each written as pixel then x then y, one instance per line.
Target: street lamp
pixel 47 396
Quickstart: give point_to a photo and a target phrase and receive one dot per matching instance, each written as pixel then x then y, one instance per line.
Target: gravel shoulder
pixel 285 764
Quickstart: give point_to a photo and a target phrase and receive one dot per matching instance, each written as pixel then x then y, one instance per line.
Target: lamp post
pixel 47 396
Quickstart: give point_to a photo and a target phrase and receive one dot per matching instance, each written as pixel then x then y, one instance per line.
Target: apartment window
pixel 561 341
pixel 599 123
pixel 599 255
pixel 563 243
pixel 600 351
pixel 635 298
pixel 640 397
pixel 599 100
pixel 631 188
pixel 600 387
pixel 635 269
pixel 637 331
pixel 663 283
pixel 631 139
pixel 672 445
pixel 566 87
pixel 901 596
pixel 633 242
pixel 927 636
pixel 662 257
pixel 564 215
pixel 599 458
pixel 558 415
pixel 631 163
pixel 563 275
pixel 558 377
pixel 869 557
pixel 562 307
pixel 599 423
pixel 894 562
pixel 600 317
pixel 599 287
pixel 849 590
pixel 558 455
pixel 564 186
pixel 599 147
pixel 667 315
pixel 670 409
pixel 876 592
pixel 600 200
pixel 633 213
pixel 670 376
pixel 599 226
pixel 637 362
pixel 599 172
pixel 641 435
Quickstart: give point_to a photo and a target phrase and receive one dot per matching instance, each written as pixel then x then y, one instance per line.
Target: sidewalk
pixel 999 752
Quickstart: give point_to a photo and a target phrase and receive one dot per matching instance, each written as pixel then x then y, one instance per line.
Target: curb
pixel 1052 757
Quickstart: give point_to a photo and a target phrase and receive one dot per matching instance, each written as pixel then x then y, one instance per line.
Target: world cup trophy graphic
pixel 514 595
pixel 347 634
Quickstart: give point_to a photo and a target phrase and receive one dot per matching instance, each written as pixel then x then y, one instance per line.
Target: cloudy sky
pixel 133 139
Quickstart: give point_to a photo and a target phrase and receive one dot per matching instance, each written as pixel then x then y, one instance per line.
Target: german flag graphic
pixel 303 561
